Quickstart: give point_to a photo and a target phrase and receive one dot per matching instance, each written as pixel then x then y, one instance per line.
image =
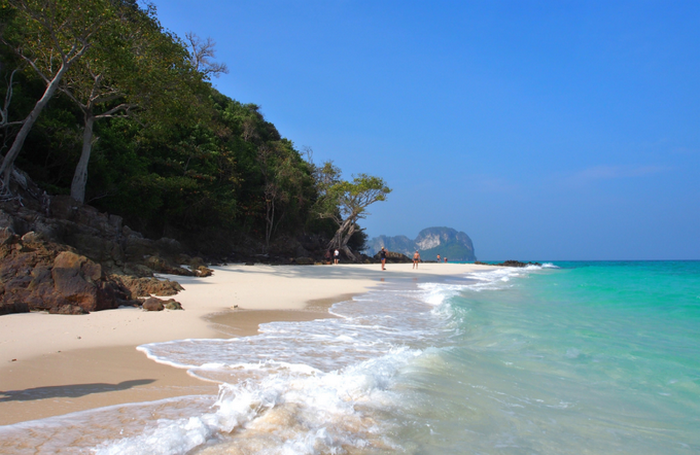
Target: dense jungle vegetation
pixel 100 102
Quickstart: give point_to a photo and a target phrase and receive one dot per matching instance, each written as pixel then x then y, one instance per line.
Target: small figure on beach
pixel 445 259
pixel 416 259
pixel 438 260
pixel 336 256
pixel 382 254
pixel 327 257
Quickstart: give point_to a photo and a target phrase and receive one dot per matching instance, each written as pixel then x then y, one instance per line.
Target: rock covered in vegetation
pixel 446 242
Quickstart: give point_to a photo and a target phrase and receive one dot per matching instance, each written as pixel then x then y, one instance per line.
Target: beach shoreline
pixel 52 365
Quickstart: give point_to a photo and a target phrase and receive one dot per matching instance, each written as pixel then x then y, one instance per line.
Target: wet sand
pixel 53 364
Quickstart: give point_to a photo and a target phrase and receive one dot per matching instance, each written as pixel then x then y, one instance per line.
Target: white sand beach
pixel 56 364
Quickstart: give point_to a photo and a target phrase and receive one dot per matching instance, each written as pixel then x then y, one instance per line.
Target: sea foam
pixel 301 387
pixel 332 385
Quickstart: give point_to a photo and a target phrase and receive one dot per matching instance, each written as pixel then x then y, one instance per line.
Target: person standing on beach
pixel 336 256
pixel 438 261
pixel 416 259
pixel 327 257
pixel 382 254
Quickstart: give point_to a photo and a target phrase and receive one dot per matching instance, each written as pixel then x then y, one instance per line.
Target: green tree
pixel 285 176
pixel 127 70
pixel 50 36
pixel 94 84
pixel 345 202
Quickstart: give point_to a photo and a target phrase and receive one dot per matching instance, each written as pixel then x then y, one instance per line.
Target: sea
pixel 560 358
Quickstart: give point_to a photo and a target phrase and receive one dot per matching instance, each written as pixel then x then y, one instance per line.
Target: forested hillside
pixel 102 104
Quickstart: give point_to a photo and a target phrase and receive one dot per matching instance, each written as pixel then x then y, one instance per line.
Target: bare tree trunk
pixel 349 253
pixel 342 237
pixel 337 240
pixel 269 221
pixel 4 112
pixel 77 188
pixel 346 239
pixel 6 166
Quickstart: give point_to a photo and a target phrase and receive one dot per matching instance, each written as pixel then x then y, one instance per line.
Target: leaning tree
pixel 345 202
pixel 49 36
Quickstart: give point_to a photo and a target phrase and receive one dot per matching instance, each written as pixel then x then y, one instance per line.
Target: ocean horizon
pixel 579 357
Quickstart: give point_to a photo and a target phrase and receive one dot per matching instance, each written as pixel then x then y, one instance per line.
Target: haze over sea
pixel 567 358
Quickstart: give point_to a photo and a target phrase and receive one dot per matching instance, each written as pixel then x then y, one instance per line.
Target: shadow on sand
pixel 68 391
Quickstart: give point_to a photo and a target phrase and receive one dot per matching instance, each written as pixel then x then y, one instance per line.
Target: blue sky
pixel 545 130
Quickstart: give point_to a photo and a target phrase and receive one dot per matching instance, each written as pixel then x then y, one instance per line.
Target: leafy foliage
pixel 169 153
pixel 345 202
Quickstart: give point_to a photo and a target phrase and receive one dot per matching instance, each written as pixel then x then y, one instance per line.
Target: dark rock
pixel 393 257
pixel 7 237
pixel 153 304
pixel 31 237
pixel 172 304
pixel 204 271
pixel 161 265
pixel 10 307
pixel 196 262
pixel 304 261
pixel 75 279
pixel 67 309
pixel 510 263
pixel 145 286
pixel 170 247
pixel 59 255
pixel 96 247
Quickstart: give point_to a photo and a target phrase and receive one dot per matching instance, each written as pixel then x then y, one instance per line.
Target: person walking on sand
pixel 416 259
pixel 327 257
pixel 336 256
pixel 382 254
pixel 438 260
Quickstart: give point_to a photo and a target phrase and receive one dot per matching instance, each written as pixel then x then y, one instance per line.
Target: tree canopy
pixel 102 104
pixel 345 202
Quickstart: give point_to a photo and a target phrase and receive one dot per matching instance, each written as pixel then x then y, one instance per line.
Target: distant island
pixel 447 242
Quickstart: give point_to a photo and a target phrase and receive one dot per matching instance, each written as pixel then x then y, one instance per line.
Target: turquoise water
pixel 568 358
pixel 590 357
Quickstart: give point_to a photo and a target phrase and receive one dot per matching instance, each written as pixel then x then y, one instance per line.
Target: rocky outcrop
pixel 40 275
pixel 446 242
pixel 67 258
pixel 146 286
pixel 100 237
pixel 154 304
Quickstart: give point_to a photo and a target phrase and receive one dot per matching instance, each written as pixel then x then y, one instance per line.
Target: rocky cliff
pixel 447 242
pixel 63 257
